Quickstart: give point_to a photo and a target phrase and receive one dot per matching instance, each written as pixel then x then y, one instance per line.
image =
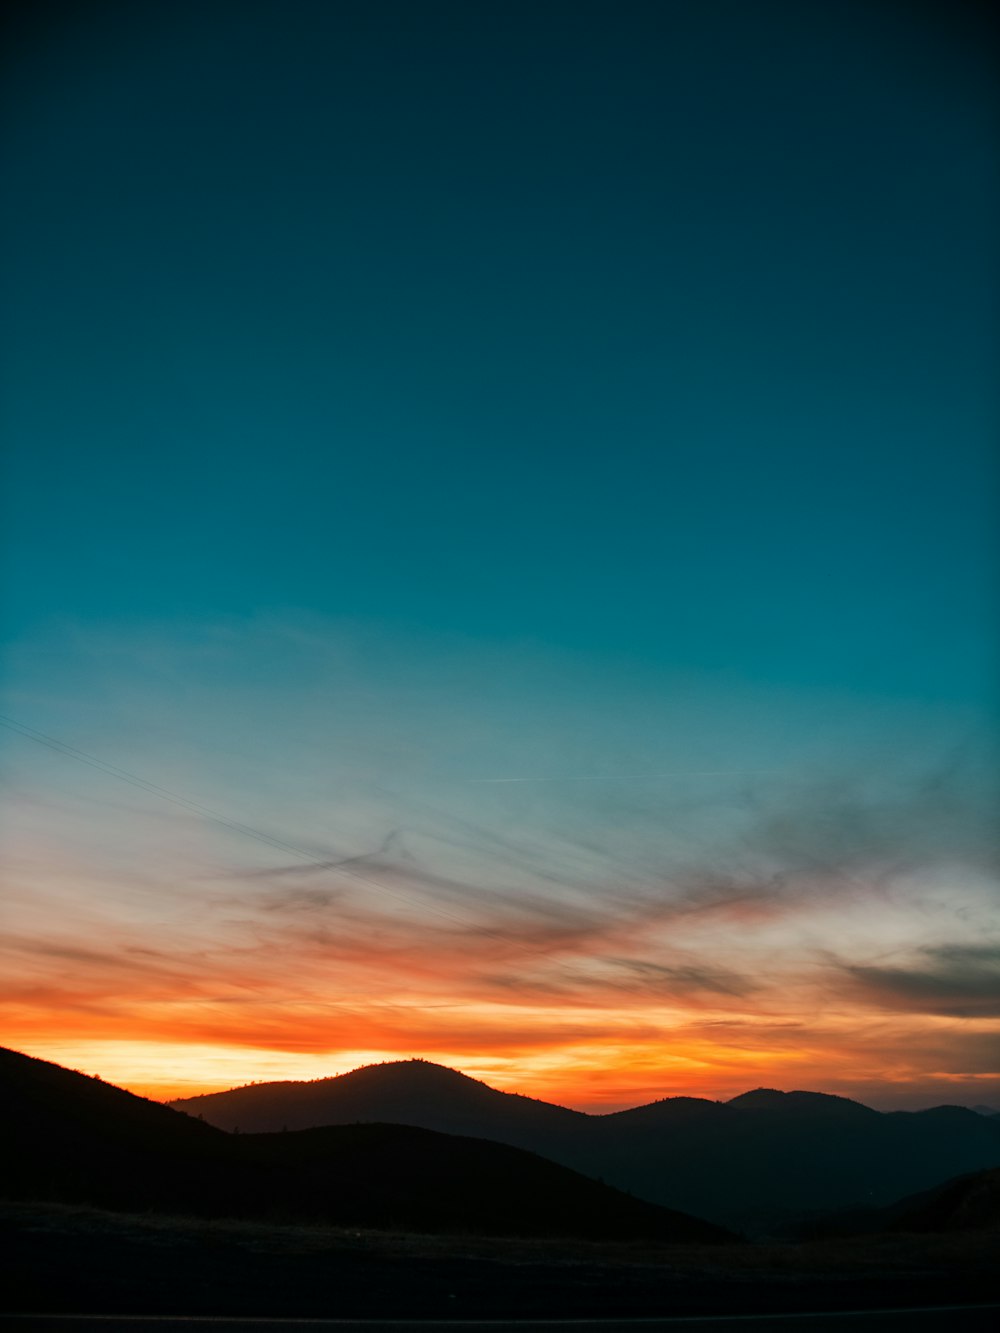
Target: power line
pixel 237 826
pixel 102 765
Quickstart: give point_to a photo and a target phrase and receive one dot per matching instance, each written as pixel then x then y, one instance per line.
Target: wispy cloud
pixel 711 926
pixel 962 980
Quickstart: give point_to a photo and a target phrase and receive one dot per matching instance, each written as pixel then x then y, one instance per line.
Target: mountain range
pixel 754 1163
pixel 967 1203
pixel 411 1144
pixel 112 1204
pixel 76 1139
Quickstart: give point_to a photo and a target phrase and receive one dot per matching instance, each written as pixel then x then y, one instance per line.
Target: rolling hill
pixel 74 1139
pixel 968 1203
pixel 751 1163
pixel 410 1092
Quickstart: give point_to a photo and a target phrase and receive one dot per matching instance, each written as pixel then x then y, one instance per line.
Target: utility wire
pixel 164 793
pixel 213 816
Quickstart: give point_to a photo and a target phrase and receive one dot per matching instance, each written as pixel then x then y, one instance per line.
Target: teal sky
pixel 400 395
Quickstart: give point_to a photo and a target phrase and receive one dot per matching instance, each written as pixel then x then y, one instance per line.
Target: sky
pixel 499 554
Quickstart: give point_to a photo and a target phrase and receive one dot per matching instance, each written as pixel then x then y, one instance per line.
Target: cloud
pixel 879 827
pixel 780 917
pixel 959 980
pixel 682 979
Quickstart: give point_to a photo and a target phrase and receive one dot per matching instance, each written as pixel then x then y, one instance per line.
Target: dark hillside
pixel 969 1203
pixel 43 1092
pixel 405 1178
pixel 412 1092
pixel 752 1163
pixel 779 1154
pixel 769 1101
pixel 74 1139
pixel 668 1115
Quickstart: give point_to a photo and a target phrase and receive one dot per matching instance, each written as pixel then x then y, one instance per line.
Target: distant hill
pixel 420 1180
pixel 409 1092
pixel 74 1139
pixel 750 1163
pixel 968 1203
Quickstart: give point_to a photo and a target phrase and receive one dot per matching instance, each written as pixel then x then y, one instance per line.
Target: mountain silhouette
pixel 79 1140
pixel 968 1203
pixel 750 1163
pixel 796 1103
pixel 421 1180
pixel 413 1092
pixel 73 1138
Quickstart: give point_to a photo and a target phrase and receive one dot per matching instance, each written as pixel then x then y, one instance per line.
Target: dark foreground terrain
pixel 68 1259
pixel 119 1206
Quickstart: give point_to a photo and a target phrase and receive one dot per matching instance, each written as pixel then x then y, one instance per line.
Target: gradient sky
pixel 520 481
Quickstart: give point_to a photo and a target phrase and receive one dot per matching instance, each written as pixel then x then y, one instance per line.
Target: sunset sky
pixel 499 544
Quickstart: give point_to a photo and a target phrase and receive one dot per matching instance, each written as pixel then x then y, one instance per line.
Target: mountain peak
pixel 416 1092
pixel 759 1097
pixel 415 1067
pixel 771 1099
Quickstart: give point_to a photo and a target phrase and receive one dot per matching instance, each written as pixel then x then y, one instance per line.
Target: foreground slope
pixel 74 1139
pixel 753 1162
pixel 79 1260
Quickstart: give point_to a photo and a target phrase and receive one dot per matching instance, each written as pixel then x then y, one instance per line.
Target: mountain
pixel 413 1092
pixel 798 1104
pixel 968 1203
pixel 75 1139
pixel 72 1138
pixel 750 1163
pixel 419 1180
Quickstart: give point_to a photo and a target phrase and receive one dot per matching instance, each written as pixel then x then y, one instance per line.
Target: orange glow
pixel 612 1064
pixel 597 1009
